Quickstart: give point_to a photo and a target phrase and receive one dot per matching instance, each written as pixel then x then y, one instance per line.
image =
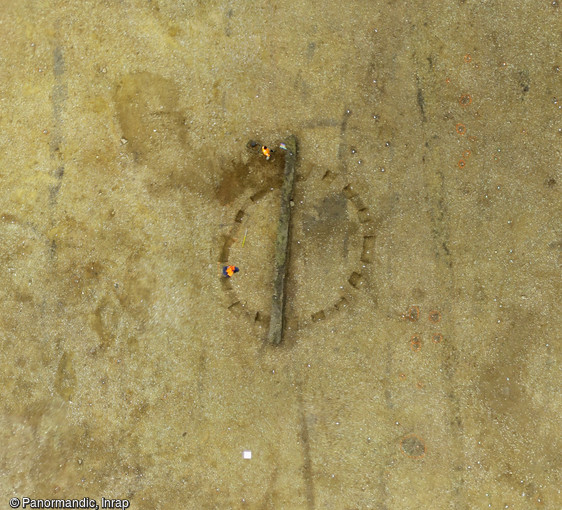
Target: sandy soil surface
pixel 420 367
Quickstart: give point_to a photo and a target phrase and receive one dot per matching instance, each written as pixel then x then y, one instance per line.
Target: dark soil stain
pixel 413 446
pixel 420 99
pixel 149 115
pixel 524 82
pixel 330 213
pixel 330 225
pixel 259 176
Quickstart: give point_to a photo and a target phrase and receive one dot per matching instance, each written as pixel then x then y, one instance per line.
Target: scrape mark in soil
pixel 58 100
pixel 307 463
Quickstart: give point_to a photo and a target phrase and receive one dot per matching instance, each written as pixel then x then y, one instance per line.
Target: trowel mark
pixel 59 89
pixel 437 195
pixel 420 98
pixel 307 463
pixel 58 99
pixel 342 145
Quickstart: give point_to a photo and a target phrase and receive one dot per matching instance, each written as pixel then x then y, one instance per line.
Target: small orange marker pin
pixel 266 152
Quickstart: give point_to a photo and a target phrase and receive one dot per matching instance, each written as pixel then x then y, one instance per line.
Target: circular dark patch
pixel 415 343
pixel 434 316
pixel 412 446
pixel 437 338
pixel 332 243
pixel 413 314
pixel 465 100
